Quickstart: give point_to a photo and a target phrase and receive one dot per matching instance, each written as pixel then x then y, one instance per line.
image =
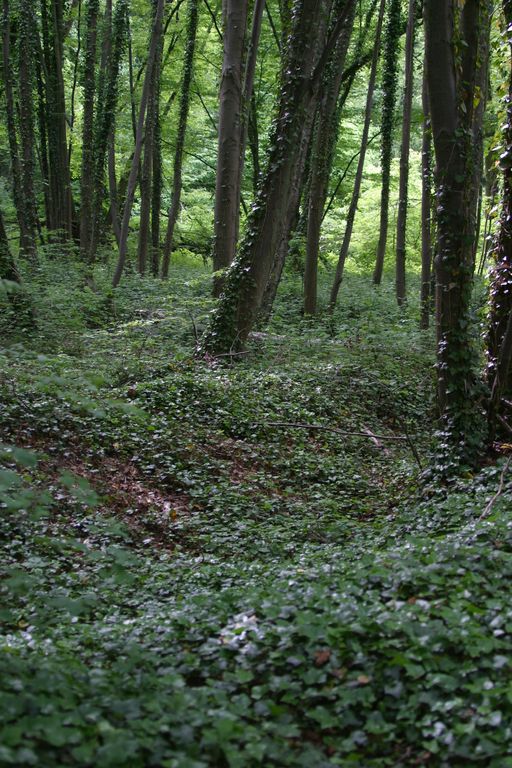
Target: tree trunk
pixel 401 224
pixel 27 195
pixel 499 337
pixel 227 191
pixel 245 284
pixel 188 66
pixel 426 211
pixel 105 123
pixel 324 141
pixel 451 88
pixel 89 88
pixel 387 123
pixel 61 201
pixel 132 181
pixel 338 277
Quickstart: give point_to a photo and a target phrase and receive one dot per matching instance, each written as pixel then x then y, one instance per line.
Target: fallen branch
pixel 367 435
pixel 498 493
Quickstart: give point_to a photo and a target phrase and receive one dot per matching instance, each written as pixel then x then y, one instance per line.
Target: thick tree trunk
pixel 236 312
pixel 499 337
pixel 321 160
pixel 451 88
pixel 349 226
pixel 188 66
pixel 227 191
pixel 401 224
pixel 388 115
pixel 132 181
pixel 426 211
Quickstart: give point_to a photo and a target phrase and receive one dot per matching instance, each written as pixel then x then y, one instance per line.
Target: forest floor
pixel 191 579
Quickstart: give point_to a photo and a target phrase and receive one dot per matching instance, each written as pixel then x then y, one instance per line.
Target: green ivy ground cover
pixel 188 583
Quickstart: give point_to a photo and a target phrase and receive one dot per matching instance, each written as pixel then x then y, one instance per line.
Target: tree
pixel 426 210
pixel 451 73
pixel 387 124
pixel 323 147
pixel 499 337
pixel 89 85
pixel 229 158
pixel 134 170
pixel 188 65
pixel 246 280
pixel 401 225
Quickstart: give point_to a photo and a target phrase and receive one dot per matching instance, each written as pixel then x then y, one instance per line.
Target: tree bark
pixel 388 113
pixel 89 88
pixel 227 191
pixel 451 88
pixel 401 225
pixel 25 72
pixel 236 312
pixel 321 160
pixel 499 336
pixel 426 211
pixel 132 181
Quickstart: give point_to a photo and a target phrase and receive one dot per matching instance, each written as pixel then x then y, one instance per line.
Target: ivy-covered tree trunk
pixel 451 75
pixel 247 278
pixel 403 201
pixel 426 211
pixel 349 226
pixel 17 297
pixel 134 170
pixel 321 159
pixel 89 89
pixel 499 337
pixel 28 205
pixel 146 177
pixel 389 82
pixel 188 66
pixel 10 113
pixel 229 156
pixel 60 194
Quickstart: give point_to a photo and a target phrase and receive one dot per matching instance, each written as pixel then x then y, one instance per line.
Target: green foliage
pixel 184 583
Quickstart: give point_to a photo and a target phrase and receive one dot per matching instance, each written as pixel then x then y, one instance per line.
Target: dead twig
pixel 367 435
pixel 498 493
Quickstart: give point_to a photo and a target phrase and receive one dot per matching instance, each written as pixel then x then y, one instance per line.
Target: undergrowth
pixel 194 576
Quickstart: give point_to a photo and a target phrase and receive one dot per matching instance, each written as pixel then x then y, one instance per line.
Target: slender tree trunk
pixel 227 192
pixel 451 88
pixel 132 181
pixel 105 122
pixel 146 177
pixel 426 211
pixel 324 140
pixel 188 66
pixel 112 186
pixel 27 195
pixel 349 226
pixel 9 108
pixel 401 224
pixel 20 303
pixel 388 115
pixel 87 176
